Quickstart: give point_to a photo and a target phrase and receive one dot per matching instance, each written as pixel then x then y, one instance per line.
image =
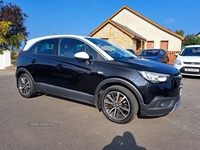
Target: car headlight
pixel 154 77
pixel 177 62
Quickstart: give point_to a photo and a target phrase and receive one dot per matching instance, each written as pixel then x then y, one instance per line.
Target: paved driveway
pixel 49 123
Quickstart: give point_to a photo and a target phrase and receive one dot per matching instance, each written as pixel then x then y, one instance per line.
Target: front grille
pixel 192 63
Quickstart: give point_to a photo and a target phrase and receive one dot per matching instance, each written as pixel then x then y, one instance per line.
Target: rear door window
pixel 47 47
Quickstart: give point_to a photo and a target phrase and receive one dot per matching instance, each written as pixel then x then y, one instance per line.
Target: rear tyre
pixel 25 86
pixel 118 104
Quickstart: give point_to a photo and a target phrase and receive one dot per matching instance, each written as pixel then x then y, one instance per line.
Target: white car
pixel 188 61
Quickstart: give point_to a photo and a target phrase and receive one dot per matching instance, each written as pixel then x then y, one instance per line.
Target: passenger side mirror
pixel 82 56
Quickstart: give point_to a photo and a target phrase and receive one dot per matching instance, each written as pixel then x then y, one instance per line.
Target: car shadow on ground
pixel 127 141
pixel 90 105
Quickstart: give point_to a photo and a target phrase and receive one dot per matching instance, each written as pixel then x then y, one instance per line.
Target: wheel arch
pixel 115 81
pixel 21 71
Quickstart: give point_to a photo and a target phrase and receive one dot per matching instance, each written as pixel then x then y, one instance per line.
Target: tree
pixel 17 31
pixel 191 39
pixel 4 28
pixel 15 41
pixel 180 32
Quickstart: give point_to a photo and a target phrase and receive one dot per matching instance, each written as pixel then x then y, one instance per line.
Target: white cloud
pixel 170 20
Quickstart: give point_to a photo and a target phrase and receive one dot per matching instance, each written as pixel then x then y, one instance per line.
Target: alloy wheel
pixel 117 105
pixel 24 85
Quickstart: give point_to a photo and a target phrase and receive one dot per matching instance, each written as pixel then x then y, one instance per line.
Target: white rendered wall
pixel 5 59
pixel 2 66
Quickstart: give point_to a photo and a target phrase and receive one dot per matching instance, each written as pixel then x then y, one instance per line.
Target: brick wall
pixel 172 57
pixel 116 37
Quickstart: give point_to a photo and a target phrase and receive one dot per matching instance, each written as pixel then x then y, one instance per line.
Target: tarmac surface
pixel 51 123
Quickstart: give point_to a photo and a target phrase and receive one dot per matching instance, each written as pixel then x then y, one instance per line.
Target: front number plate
pixel 191 70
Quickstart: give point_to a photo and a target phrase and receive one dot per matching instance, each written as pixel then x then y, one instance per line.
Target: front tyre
pixel 25 86
pixel 118 104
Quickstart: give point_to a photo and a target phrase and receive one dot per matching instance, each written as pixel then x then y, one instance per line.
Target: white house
pixel 131 30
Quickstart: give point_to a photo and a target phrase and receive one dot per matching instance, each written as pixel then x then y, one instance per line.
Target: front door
pixel 72 75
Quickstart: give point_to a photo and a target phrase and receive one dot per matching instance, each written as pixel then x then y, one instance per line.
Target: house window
pixel 150 44
pixel 164 45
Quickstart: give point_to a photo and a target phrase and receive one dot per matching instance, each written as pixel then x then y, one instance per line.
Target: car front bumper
pixel 189 70
pixel 161 106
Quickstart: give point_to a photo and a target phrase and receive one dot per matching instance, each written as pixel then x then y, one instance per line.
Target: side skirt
pixel 64 92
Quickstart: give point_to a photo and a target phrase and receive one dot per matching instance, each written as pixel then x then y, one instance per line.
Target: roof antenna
pixel 48 31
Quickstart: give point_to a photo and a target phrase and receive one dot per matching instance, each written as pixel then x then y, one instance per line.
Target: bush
pixel 1 51
pixel 14 55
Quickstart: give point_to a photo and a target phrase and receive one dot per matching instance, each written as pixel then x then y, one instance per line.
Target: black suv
pixel 94 71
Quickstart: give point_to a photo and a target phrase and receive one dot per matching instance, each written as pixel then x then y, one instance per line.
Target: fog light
pixel 163 104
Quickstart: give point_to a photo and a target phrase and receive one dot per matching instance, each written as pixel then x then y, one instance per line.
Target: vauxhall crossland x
pixel 94 71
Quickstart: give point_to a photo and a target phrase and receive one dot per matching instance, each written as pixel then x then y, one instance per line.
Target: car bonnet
pixel 147 65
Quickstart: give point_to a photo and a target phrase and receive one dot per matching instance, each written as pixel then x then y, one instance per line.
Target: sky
pixel 80 17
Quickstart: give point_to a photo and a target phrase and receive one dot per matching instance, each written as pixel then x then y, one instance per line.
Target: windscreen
pixel 190 51
pixel 112 50
pixel 148 53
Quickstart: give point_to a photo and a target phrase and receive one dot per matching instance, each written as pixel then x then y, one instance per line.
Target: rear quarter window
pixel 32 49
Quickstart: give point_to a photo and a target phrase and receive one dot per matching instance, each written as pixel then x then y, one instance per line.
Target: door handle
pixel 59 66
pixel 33 61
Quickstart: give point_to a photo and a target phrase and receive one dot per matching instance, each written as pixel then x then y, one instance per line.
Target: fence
pixel 172 57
